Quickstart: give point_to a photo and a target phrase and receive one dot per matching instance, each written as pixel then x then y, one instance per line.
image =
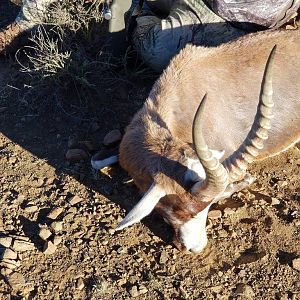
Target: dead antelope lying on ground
pixel 165 148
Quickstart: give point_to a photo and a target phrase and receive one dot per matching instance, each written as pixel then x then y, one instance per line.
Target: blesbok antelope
pixel 165 147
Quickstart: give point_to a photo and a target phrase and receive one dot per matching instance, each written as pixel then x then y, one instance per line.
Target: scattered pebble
pixel 21 246
pixel 134 292
pixel 183 293
pixel 74 155
pixel 163 257
pixel 57 240
pixel 244 290
pixel 296 264
pixel 222 233
pixel 49 248
pixel 89 145
pixel 228 211
pixel 31 208
pixel 16 280
pixel 54 213
pixel 275 201
pixel 10 264
pixel 6 241
pixel 214 214
pixel 3 109
pixel 143 290
pixel 112 137
pixel 44 233
pixel 9 254
pixel 80 284
pixel 20 237
pixel 74 200
pixel 247 258
pixel 57 226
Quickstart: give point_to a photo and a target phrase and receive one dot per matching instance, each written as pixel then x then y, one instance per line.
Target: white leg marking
pixel 99 164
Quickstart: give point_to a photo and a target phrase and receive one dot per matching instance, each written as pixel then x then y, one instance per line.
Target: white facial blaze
pixel 193 233
pixel 144 207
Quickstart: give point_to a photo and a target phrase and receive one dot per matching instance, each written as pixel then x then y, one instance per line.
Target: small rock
pixel 49 248
pixel 222 233
pixel 31 208
pixel 72 142
pixel 16 280
pixel 244 290
pixel 74 200
pixel 248 258
pixel 215 214
pixel 183 292
pixel 5 241
pixel 9 264
pixel 229 211
pixel 57 240
pixel 282 183
pixel 275 201
pixel 80 284
pixel 3 109
pixel 121 281
pixel 72 210
pixel 76 155
pixel 20 237
pixel 163 257
pixel 44 233
pixel 68 217
pixel 54 213
pixel 121 250
pixel 57 226
pixel 296 264
pixel 134 291
pixel 9 254
pixel 112 137
pixel 21 246
pixel 143 290
pixel 89 145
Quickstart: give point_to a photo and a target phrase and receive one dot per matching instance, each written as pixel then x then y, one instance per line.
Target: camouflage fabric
pixel 157 40
pixel 251 14
pixel 159 34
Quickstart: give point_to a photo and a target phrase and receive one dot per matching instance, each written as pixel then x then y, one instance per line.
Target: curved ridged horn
pixel 216 175
pixel 237 163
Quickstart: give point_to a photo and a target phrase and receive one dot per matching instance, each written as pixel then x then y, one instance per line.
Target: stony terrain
pixel 57 215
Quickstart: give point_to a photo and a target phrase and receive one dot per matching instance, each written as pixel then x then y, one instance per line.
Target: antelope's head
pixel 203 178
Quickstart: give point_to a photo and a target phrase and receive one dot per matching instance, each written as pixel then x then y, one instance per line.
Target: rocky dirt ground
pixel 57 215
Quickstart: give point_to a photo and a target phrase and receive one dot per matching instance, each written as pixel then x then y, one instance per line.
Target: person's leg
pixel 117 36
pixel 158 40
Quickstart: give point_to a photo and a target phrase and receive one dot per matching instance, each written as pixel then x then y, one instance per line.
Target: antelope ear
pixel 144 207
pixel 218 153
